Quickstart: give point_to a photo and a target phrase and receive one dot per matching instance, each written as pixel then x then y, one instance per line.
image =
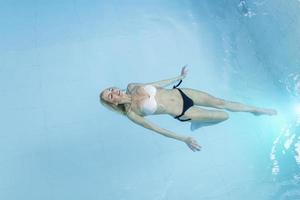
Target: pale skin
pixel 170 102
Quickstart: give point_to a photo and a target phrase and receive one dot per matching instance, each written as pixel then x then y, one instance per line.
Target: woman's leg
pixel 204 99
pixel 204 115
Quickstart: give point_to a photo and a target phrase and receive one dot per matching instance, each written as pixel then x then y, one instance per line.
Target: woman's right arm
pixel 192 143
pixel 167 82
pixel 162 83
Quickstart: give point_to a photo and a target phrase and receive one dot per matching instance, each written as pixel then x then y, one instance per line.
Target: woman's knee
pixel 221 115
pixel 225 116
pixel 219 103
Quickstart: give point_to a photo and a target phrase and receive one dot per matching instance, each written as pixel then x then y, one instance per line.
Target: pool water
pixel 58 142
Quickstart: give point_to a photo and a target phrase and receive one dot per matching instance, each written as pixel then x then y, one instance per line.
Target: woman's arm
pixel 192 143
pixel 146 124
pixel 167 82
pixel 162 83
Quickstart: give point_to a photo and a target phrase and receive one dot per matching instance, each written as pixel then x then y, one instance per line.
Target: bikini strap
pixel 175 86
pixel 183 120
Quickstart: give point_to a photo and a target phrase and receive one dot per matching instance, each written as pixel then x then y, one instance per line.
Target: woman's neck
pixel 126 99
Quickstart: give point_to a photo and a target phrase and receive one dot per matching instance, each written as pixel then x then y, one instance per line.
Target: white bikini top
pixel 149 105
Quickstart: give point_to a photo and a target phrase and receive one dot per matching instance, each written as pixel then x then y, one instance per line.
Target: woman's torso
pixel 148 99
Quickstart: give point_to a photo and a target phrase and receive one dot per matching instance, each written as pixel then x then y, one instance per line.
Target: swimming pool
pixel 58 142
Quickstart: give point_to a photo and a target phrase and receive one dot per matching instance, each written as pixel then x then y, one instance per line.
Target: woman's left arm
pixel 146 124
pixel 190 142
pixel 167 82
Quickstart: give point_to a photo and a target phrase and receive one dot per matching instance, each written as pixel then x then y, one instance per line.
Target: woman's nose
pixel 115 91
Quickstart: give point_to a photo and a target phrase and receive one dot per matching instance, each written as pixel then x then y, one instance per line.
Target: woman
pixel 140 100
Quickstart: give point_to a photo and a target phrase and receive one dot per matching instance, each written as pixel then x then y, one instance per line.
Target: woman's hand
pixel 184 71
pixel 192 144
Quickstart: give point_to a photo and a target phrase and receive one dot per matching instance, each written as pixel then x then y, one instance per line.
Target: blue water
pixel 57 142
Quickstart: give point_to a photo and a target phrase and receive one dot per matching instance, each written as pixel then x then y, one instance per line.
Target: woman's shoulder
pixel 132 86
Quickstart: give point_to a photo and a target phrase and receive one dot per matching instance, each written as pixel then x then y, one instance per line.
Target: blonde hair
pixel 120 108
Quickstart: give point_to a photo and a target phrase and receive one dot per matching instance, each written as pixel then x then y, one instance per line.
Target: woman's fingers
pixel 184 70
pixel 193 145
pixel 196 147
pixel 193 148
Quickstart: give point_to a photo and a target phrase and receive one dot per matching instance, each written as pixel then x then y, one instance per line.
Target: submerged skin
pixel 169 101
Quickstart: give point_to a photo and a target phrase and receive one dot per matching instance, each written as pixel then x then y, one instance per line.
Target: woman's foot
pixel 264 112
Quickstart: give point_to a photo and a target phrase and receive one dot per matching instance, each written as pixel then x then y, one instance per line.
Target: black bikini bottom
pixel 187 103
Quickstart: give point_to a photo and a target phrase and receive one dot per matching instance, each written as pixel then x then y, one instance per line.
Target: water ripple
pixel 285 159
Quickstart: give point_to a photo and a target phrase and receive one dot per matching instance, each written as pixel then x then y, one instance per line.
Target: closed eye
pixel 110 96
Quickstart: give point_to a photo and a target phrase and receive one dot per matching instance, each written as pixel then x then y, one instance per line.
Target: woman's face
pixel 113 95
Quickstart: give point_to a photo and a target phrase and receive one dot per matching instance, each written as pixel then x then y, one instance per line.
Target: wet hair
pixel 120 108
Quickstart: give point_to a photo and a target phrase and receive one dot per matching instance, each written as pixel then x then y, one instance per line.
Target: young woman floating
pixel 140 100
